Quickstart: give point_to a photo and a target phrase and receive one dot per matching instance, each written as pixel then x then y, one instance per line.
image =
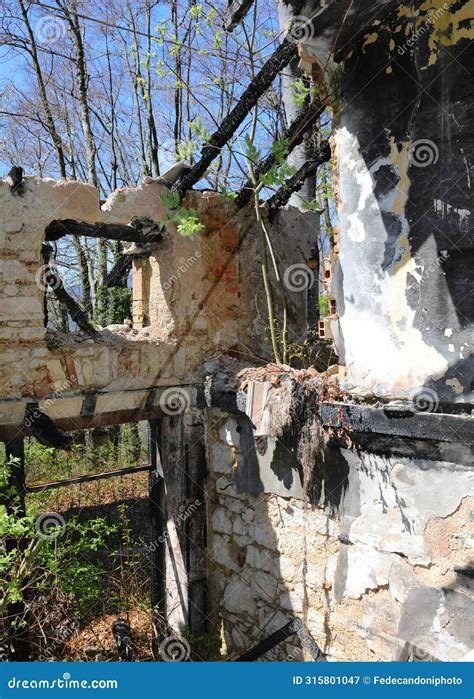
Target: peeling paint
pixel 391 352
pixel 454 383
pixel 370 39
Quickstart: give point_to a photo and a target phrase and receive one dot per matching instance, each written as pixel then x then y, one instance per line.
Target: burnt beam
pixel 55 283
pixel 140 231
pixel 280 58
pixel 294 183
pixel 277 637
pixel 294 136
pixel 402 421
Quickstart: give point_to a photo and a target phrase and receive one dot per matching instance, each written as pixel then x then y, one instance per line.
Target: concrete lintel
pixel 77 412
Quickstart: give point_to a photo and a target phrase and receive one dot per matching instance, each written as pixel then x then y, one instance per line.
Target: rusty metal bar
pixel 40 487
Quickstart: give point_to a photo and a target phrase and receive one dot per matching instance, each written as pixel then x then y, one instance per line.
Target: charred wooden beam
pixel 44 430
pixel 141 231
pixel 235 13
pixel 262 81
pixel 294 135
pixel 292 627
pixel 294 183
pixel 55 283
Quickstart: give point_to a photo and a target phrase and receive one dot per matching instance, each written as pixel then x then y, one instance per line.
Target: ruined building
pixel 359 535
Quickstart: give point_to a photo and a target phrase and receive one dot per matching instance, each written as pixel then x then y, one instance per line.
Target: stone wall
pixel 384 559
pixel 192 299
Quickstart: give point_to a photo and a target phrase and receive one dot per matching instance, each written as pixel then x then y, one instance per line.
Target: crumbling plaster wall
pixel 210 286
pixel 403 172
pixel 382 560
pixel 192 298
pixel 63 369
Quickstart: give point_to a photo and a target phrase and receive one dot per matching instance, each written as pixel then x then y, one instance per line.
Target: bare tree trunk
pixel 178 93
pixel 84 272
pixel 114 164
pixel 152 135
pixel 44 97
pixel 70 13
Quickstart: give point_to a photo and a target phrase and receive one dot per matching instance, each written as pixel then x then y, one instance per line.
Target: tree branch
pixel 119 271
pixel 235 13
